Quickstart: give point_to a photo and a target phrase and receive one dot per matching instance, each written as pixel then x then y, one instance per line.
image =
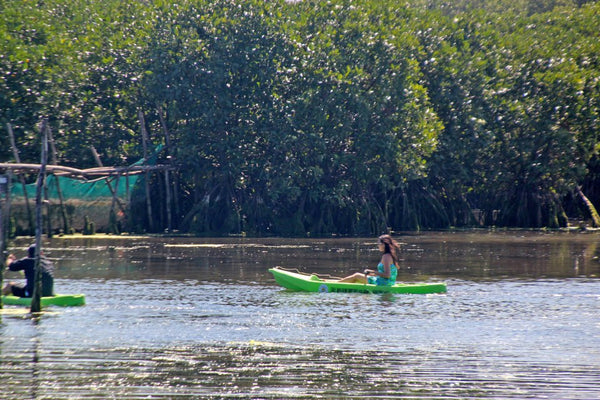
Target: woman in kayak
pixel 387 269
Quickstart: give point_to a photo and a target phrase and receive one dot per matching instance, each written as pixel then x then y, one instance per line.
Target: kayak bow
pixel 300 282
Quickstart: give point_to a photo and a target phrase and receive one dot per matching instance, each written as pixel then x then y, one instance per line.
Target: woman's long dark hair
pixel 391 247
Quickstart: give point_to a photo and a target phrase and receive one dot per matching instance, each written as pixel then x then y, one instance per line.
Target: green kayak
pixel 57 300
pixel 312 283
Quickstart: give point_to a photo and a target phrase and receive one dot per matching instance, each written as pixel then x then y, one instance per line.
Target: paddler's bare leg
pixel 355 278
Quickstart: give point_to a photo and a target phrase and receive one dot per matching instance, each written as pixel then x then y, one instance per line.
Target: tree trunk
pixel 590 206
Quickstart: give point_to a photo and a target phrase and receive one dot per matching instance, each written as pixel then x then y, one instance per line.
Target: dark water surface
pixel 202 318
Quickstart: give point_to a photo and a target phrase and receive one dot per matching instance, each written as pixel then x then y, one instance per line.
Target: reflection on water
pixel 262 371
pixel 202 318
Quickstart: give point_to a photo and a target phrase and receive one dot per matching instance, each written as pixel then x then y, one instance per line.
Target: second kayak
pixel 297 281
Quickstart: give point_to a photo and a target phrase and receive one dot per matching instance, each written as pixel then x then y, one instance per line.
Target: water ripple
pixel 218 327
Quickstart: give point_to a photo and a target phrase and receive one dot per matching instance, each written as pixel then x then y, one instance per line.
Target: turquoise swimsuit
pixel 380 281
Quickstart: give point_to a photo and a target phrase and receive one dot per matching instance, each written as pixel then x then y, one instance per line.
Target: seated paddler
pixel 387 269
pixel 27 265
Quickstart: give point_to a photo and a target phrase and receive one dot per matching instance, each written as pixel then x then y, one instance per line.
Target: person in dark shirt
pixel 27 265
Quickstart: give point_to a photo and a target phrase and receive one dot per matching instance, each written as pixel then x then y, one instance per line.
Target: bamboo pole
pixel 37 287
pixel 114 217
pixel 84 173
pixel 7 206
pixel 2 255
pixel 15 151
pixel 147 176
pixel 127 190
pixel 47 203
pixel 3 236
pixel 168 198
pixel 168 183
pixel 61 202
pixel 96 156
pixel 114 191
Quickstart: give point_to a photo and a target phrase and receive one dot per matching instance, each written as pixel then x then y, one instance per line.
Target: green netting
pixel 72 188
pixel 82 200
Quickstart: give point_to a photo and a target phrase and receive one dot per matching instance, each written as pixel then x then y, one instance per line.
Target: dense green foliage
pixel 319 117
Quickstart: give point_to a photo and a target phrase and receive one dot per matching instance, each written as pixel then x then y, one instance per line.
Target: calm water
pixel 202 318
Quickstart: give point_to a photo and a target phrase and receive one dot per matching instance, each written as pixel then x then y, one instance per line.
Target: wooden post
pixel 113 192
pixel 7 209
pixel 115 199
pixel 3 236
pixel 114 217
pixel 37 287
pixel 127 189
pixel 128 214
pixel 168 196
pixel 2 256
pixel 63 212
pixel 171 160
pixel 146 174
pixel 47 203
pixel 11 135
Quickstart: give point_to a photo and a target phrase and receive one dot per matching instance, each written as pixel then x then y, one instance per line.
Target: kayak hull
pixel 63 300
pixel 311 283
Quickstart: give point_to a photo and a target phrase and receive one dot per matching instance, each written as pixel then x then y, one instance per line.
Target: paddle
pixel 367 273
